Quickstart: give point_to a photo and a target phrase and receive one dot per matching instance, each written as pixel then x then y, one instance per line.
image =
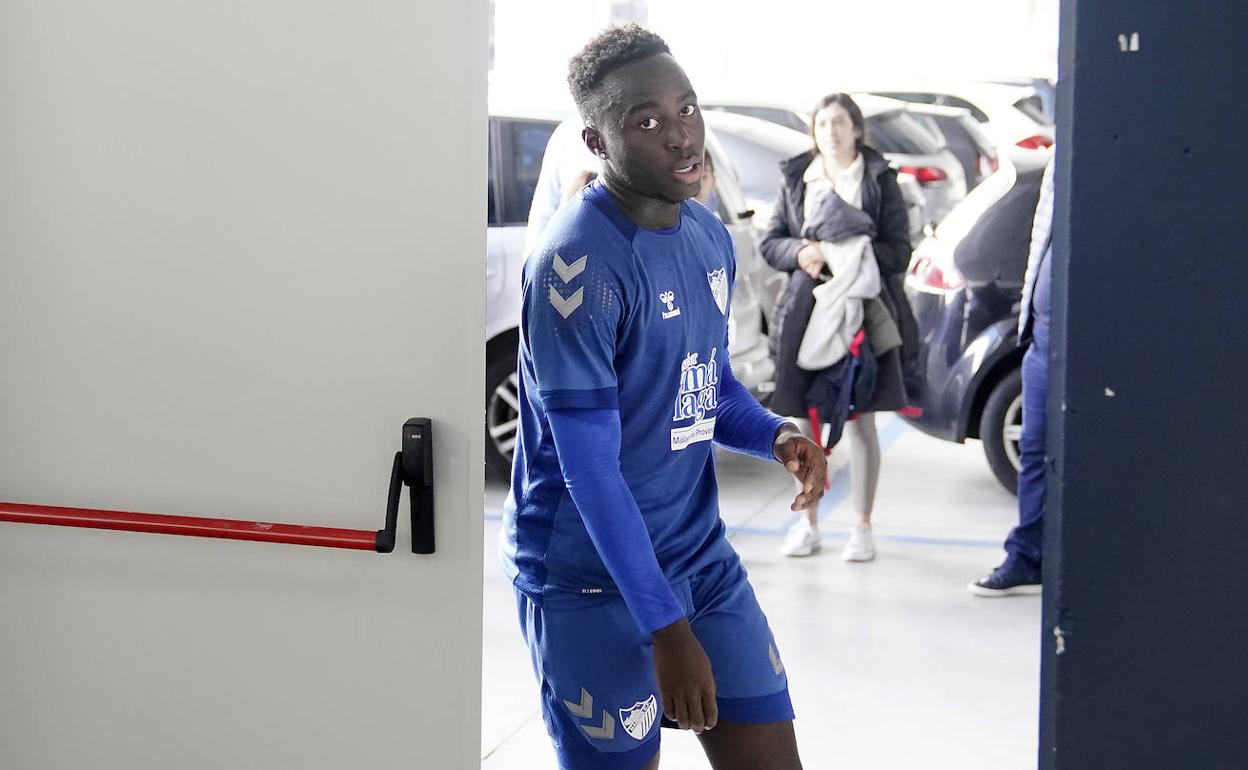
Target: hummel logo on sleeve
pixel 567 307
pixel 567 272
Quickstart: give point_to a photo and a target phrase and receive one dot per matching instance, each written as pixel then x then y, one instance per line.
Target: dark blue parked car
pixel 964 284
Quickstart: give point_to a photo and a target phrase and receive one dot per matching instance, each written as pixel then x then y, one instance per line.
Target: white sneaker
pixel 803 539
pixel 861 546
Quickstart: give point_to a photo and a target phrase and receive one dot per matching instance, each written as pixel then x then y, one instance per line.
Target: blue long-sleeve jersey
pixel 624 334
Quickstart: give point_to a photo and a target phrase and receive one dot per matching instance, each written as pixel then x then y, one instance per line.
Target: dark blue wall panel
pixel 1147 545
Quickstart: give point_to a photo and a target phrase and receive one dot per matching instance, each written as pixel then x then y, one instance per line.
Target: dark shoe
pixel 1012 578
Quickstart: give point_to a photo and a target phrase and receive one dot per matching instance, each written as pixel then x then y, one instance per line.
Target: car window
pixel 985 143
pixel 781 118
pixel 777 115
pixel 958 140
pixel 522 147
pixel 907 96
pixel 996 245
pixel 1033 107
pixel 954 101
pixel 932 123
pixel 758 167
pixel 897 132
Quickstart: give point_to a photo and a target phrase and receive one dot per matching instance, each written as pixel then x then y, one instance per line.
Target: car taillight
pixel 1036 142
pixel 927 276
pixel 925 174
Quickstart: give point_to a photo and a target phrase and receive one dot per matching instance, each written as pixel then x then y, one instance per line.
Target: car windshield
pixel 971 126
pixel 995 248
pixel 757 166
pixel 897 132
pixel 756 151
pixel 1033 107
pixel 781 117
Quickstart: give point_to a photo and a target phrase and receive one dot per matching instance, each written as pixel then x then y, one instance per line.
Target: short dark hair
pixel 851 106
pixel 611 49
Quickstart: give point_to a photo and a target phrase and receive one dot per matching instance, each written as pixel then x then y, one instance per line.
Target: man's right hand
pixel 686 683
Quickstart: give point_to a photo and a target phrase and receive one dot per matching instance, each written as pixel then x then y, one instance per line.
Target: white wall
pixel 240 243
pixel 784 50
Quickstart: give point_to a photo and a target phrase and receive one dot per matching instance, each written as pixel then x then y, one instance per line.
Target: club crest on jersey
pixel 640 718
pixel 718 279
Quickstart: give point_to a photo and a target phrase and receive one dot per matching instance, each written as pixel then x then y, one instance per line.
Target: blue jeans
pixel 1026 541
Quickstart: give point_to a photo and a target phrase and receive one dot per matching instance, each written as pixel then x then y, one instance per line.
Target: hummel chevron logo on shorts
pixel 774 657
pixel 584 710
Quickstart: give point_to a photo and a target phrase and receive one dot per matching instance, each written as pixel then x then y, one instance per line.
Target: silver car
pixel 964 137
pixel 517 146
pixel 1013 115
pixel 915 152
pixel 757 147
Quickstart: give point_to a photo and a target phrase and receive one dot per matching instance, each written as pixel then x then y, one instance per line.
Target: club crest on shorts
pixel 718 279
pixel 640 718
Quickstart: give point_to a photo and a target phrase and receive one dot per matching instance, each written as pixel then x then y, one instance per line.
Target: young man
pixel 633 603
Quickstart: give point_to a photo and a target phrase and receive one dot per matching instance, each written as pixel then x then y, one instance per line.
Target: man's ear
pixel 593 140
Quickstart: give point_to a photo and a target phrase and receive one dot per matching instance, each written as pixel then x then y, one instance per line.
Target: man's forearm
pixel 741 423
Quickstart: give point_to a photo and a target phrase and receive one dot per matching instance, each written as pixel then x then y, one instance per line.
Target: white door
pixel 239 246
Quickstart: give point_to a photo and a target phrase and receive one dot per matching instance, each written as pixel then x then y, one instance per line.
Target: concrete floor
pixel 892 664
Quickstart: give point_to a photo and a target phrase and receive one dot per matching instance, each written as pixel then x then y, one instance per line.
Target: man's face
pixel 651 129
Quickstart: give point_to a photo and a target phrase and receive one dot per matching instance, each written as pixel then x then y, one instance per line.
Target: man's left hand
pixel 806 461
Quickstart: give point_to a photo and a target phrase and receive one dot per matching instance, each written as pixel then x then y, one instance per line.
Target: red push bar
pixel 230 529
pixel 412 466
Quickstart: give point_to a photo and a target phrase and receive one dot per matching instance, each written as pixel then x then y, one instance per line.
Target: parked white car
pixel 517 146
pixel 1013 115
pixel 757 147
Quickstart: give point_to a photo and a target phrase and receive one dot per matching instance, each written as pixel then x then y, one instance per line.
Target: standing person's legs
pixel 1020 572
pixel 1025 542
pixel 864 464
pixel 864 478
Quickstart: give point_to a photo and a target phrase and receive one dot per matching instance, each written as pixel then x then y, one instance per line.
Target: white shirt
pixel 846 182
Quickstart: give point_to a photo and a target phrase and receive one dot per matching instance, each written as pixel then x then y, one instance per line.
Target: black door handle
pixel 413 466
pixel 418 475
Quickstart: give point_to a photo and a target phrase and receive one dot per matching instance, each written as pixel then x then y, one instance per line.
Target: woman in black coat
pixel 841 164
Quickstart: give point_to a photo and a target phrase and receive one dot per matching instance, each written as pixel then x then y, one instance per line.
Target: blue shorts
pixel 600 697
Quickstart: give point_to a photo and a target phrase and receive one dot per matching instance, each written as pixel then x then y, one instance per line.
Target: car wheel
pixel 1001 428
pixel 502 413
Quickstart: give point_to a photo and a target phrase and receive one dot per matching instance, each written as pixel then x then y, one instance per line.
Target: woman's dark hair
pixel 613 48
pixel 855 115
